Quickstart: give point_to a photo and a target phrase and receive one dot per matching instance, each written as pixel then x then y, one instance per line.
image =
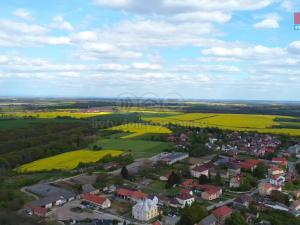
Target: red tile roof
pixel 124 192
pixel 187 182
pixel 156 223
pixel 222 212
pixel 138 195
pixel 94 198
pixel 201 168
pixel 40 210
pixel 185 196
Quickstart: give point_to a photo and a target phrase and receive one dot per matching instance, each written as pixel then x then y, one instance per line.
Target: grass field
pixel 138 148
pixel 66 161
pixel 22 123
pixel 138 129
pixel 239 122
pixel 50 115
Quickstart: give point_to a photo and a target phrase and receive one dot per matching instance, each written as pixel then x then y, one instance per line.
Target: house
pixel 235 181
pixel 145 210
pixel 188 183
pixel 250 164
pixel 157 222
pixel 41 207
pixel 88 188
pixel 210 192
pixel 132 195
pixel 224 174
pixel 209 220
pixel 165 177
pixel 276 170
pixel 277 180
pixel 40 211
pixel 96 200
pixel 296 205
pixel 243 201
pixel 199 170
pixel 280 161
pixel 222 214
pixel 267 188
pixel 185 199
pixel 234 169
pixel 172 157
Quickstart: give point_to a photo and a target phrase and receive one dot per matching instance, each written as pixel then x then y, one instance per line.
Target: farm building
pixel 173 157
pixel 97 200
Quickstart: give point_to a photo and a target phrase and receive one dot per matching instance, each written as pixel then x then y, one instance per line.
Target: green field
pixel 139 148
pixel 23 123
pixel 67 161
pixel 139 129
pixel 239 122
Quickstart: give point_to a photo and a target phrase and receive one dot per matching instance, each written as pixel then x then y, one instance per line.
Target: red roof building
pixel 222 213
pixel 97 200
pixel 187 183
pixel 250 164
pixel 40 211
pixel 280 160
pixel 156 223
pixel 130 195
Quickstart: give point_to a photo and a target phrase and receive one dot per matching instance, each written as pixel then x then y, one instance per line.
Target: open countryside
pixel 238 122
pixel 67 161
pixel 55 114
pixel 139 129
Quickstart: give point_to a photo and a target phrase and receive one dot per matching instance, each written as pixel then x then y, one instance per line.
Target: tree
pixel 235 219
pixel 192 214
pixel 261 170
pixel 124 172
pixel 278 196
pixel 245 184
pixel 203 179
pixel 218 179
pixel 173 179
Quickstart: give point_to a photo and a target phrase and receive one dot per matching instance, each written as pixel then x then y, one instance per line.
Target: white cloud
pixel 244 52
pixel 60 23
pixel 267 23
pixel 179 6
pixel 23 14
pixel 271 21
pixel 20 34
pixel 146 66
pixel 101 50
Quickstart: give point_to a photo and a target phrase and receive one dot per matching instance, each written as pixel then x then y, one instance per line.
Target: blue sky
pixel 200 49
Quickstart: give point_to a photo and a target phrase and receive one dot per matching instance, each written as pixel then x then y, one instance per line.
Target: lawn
pixel 66 161
pixel 139 148
pixel 138 129
pixel 54 114
pixel 239 122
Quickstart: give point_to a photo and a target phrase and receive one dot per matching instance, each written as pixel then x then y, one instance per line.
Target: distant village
pixel 249 172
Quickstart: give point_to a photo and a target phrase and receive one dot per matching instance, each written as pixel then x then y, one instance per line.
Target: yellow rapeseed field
pixel 66 161
pixel 138 129
pixel 51 115
pixel 239 122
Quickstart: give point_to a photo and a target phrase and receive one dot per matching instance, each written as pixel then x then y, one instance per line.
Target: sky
pixel 186 49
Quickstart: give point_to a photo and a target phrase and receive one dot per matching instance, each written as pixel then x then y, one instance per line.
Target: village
pixel 246 173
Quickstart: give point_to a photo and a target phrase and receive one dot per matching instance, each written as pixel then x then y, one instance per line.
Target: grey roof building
pixel 209 220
